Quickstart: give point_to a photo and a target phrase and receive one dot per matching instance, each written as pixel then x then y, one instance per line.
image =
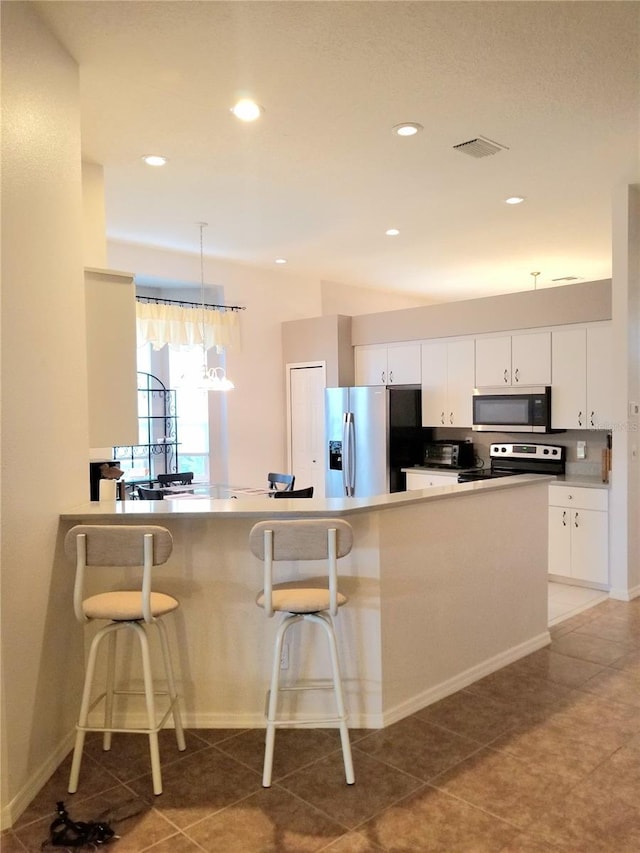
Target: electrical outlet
pixel 634 409
pixel 284 657
pixel 581 450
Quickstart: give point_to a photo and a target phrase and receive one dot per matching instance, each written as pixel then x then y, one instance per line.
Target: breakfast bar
pixel 445 585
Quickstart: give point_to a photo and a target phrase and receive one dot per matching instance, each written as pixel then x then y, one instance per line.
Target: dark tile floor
pixel 540 757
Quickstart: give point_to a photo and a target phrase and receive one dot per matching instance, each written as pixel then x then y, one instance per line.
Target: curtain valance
pixel 181 328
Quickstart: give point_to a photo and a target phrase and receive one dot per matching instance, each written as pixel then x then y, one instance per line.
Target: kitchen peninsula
pixel 445 585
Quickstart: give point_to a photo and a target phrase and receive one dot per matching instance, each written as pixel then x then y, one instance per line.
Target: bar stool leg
pixel 173 693
pixel 270 735
pixel 154 750
pixel 84 708
pixel 325 621
pixel 108 700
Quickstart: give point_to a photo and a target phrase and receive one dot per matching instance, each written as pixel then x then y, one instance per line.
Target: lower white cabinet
pixel 579 533
pixel 425 479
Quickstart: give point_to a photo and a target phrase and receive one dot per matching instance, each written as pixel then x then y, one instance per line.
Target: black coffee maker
pixel 96 474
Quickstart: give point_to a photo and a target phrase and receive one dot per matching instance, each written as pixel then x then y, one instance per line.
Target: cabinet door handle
pixel 591 418
pixel 450 417
pixel 564 518
pixel 579 418
pixel 575 521
pixel 442 417
pixel 516 374
pixel 391 377
pixel 506 375
pixel 383 377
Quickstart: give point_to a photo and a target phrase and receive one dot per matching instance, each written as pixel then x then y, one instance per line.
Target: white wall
pixel 44 447
pixel 256 432
pixel 343 299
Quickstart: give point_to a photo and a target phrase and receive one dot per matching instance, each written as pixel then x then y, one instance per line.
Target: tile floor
pixel 542 756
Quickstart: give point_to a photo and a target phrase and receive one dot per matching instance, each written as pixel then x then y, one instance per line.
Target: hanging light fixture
pixel 211 378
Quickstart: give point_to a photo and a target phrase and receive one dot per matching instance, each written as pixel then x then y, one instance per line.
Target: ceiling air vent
pixel 567 278
pixel 480 147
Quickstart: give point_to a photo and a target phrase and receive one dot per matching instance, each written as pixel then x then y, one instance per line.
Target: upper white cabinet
pixel 397 364
pixel 582 377
pixel 447 383
pixel 110 309
pixel 517 359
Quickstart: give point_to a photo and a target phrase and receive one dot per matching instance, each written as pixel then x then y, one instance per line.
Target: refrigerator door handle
pixel 348 459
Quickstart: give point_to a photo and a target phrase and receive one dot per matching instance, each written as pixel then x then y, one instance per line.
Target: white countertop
pixel 587 482
pixel 293 508
pixel 423 469
pixel 583 480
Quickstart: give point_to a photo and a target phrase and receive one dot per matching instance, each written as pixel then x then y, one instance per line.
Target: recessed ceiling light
pixel 247 110
pixel 392 232
pixel 154 160
pixel 281 260
pixel 514 199
pixel 407 128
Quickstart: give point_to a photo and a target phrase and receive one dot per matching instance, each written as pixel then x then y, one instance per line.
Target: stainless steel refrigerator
pixel 371 433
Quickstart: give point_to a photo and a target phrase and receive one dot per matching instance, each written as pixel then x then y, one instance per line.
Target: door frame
pixel 297 365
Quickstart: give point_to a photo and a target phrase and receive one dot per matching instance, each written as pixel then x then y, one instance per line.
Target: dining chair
pixel 134 609
pixel 281 482
pixel 179 478
pixel 147 494
pixel 316 600
pixel 294 493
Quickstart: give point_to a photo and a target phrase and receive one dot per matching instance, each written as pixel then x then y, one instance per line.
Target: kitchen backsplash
pixel 590 466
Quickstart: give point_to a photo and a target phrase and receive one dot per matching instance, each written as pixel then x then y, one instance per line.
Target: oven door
pixel 512 410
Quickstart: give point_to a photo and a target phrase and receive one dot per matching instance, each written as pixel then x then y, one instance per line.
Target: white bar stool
pixel 140 546
pixel 302 539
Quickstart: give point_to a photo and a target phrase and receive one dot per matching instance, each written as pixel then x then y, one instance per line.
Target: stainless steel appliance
pixel 371 433
pixel 512 409
pixel 449 454
pixel 510 459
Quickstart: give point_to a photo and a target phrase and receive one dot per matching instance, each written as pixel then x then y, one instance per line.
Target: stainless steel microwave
pixel 512 409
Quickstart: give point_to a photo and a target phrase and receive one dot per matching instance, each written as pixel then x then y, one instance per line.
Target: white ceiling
pixel 320 177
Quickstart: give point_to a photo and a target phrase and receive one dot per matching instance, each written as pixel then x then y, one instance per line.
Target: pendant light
pixel 211 378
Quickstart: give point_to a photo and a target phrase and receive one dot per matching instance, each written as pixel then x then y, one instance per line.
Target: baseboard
pixel 13 809
pixel 625 594
pixel 464 679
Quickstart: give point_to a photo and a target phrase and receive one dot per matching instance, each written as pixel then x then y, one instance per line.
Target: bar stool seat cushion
pixel 126 605
pixel 291 597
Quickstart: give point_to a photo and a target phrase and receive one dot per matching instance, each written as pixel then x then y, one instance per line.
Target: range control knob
pixel 554 452
pixel 546 451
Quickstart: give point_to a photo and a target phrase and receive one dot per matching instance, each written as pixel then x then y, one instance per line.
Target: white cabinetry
pixel 426 479
pixel 397 364
pixel 447 383
pixel 518 359
pixel 582 377
pixel 110 310
pixel 579 533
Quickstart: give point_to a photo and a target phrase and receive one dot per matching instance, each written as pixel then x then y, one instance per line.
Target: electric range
pixel 507 460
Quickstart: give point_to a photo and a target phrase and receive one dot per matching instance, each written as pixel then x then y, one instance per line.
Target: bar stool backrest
pixel 109 545
pixel 301 539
